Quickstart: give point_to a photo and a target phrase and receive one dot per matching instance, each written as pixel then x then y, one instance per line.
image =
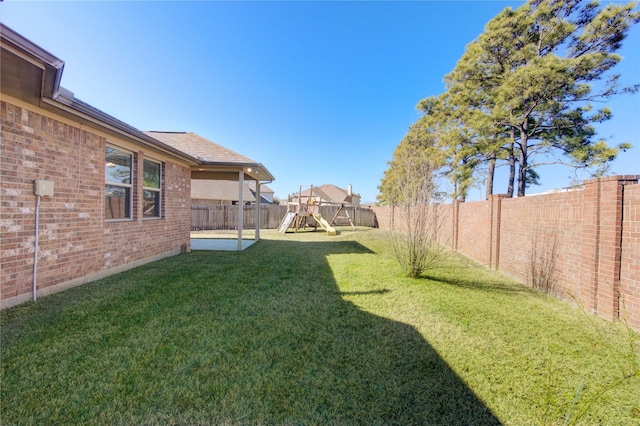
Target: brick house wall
pixel 76 243
pixel 591 236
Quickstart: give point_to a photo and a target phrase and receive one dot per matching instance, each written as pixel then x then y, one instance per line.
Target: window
pixel 118 183
pixel 151 189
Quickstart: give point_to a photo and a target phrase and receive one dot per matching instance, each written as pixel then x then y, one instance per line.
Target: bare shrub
pixel 543 263
pixel 416 221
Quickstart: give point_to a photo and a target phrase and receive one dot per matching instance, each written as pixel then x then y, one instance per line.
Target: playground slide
pixel 286 222
pixel 323 223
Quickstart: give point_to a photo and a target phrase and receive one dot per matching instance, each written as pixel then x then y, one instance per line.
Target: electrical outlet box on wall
pixel 43 188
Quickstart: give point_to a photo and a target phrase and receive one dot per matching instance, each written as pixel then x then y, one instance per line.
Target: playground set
pixel 299 213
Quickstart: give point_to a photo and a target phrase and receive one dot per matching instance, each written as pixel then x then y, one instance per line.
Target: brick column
pixel 455 224
pixel 601 244
pixel 495 205
pixel 589 252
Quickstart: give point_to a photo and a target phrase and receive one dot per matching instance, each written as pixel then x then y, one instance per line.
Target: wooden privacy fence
pixel 360 216
pixel 225 217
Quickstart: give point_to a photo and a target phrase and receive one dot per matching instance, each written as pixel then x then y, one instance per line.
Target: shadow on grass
pixel 478 284
pixel 475 277
pixel 363 293
pixel 255 337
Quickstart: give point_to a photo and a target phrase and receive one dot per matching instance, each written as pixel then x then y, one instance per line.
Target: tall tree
pixel 406 168
pixel 534 74
pixel 465 138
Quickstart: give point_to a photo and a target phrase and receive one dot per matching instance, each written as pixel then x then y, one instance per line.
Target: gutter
pixel 65 99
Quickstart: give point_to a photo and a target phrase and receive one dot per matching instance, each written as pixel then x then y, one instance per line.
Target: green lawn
pixel 310 329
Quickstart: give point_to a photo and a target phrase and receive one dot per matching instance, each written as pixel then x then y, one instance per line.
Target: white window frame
pixel 159 190
pixel 129 185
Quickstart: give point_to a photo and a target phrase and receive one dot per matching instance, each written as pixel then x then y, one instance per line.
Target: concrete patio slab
pixel 218 244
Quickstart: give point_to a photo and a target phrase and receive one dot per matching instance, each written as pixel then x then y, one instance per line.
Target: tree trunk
pixel 512 160
pixel 522 175
pixel 523 164
pixel 512 170
pixel 490 172
pixel 512 175
pixel 455 189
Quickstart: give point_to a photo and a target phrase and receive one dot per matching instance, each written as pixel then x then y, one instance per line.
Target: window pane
pixel 117 202
pixel 151 174
pixel 117 166
pixel 151 203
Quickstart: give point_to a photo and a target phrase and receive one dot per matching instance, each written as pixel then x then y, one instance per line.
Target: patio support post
pixel 257 234
pixel 240 207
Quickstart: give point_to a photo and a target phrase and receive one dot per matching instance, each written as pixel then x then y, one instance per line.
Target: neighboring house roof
pixel 329 193
pixel 336 194
pixel 264 189
pixel 226 190
pixel 219 190
pixel 316 193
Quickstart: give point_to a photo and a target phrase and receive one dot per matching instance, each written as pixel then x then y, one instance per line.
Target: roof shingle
pixel 199 147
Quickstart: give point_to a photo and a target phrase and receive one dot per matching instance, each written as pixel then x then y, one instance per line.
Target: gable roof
pixel 336 194
pixel 318 194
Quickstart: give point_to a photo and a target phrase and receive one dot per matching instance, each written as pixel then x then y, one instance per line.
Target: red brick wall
pixel 540 225
pixel 474 237
pixel 446 234
pixel 75 241
pixel 630 256
pixel 591 236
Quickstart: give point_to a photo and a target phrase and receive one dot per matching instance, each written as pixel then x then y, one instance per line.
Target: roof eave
pixel 53 65
pixel 257 171
pixel 58 97
pixel 65 99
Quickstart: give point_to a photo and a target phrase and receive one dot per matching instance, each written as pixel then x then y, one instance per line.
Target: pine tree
pixel 534 74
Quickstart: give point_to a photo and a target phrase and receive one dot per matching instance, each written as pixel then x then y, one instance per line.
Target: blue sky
pixel 319 92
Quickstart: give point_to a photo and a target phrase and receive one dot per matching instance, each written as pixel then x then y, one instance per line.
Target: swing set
pixel 299 213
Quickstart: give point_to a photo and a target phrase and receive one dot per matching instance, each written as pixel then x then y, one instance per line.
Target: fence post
pixel 494 233
pixel 601 244
pixel 455 224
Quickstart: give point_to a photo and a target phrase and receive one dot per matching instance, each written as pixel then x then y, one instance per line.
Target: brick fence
pixel 590 237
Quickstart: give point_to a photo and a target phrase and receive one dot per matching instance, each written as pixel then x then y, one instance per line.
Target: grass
pixel 309 329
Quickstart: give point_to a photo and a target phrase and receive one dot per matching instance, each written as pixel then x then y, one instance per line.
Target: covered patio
pixel 215 162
